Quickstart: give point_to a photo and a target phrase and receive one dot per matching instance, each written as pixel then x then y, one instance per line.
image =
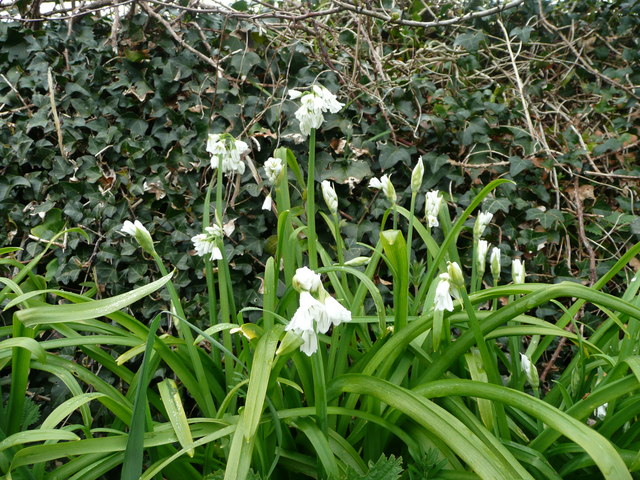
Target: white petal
pixel 266 205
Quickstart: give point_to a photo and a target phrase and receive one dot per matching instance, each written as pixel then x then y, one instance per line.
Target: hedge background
pixel 543 94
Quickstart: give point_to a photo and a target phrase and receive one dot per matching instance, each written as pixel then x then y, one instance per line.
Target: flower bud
pixel 495 262
pixel 358 261
pixel 530 371
pixel 482 221
pixel 481 256
pixel 455 274
pixel 330 196
pixel 384 184
pixel 416 176
pixel 141 234
pixel 518 273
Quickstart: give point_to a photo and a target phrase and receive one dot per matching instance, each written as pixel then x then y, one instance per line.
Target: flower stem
pixel 488 360
pixel 311 203
pixel 320 392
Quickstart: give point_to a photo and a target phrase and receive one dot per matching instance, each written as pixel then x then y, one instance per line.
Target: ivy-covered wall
pixel 549 101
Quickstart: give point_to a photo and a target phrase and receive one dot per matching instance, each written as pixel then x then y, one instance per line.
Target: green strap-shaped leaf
pixel 175 411
pixel 39 435
pixel 63 410
pixel 31 317
pixel 28 344
pixel 132 466
pixel 598 447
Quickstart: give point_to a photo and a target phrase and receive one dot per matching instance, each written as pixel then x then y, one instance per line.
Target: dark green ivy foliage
pixel 135 115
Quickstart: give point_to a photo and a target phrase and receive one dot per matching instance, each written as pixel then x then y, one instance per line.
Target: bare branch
pixel 435 23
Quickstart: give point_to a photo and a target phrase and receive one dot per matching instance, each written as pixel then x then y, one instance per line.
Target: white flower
pixel 443 300
pixel 268 201
pixel 416 176
pixel 302 322
pixel 601 411
pixel 313 104
pixel 226 152
pixel 306 280
pixel 330 196
pixel 433 200
pixel 481 256
pixel 482 221
pixel 140 233
pixel 273 167
pixel 530 371
pixel 330 101
pixel 495 262
pixel 205 243
pixel 518 273
pixel 336 313
pixel 384 184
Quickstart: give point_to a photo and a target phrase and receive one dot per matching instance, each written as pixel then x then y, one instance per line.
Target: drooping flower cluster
pixel 433 201
pixel 448 287
pixel 313 105
pixel 206 243
pixel 272 169
pixel 384 184
pixel 317 311
pixel 226 152
pixel 443 300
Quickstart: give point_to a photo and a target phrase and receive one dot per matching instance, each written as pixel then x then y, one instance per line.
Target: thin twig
pixel 56 119
pixel 177 38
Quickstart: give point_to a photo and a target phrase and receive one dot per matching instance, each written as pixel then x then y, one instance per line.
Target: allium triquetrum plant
pixel 339 378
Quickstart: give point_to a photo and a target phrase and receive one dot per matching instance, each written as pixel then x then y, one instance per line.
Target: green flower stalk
pixel 314 103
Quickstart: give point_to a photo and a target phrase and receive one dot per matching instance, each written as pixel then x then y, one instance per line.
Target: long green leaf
pixel 31 317
pixel 482 459
pixel 598 447
pixel 175 411
pixel 39 435
pixel 132 466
